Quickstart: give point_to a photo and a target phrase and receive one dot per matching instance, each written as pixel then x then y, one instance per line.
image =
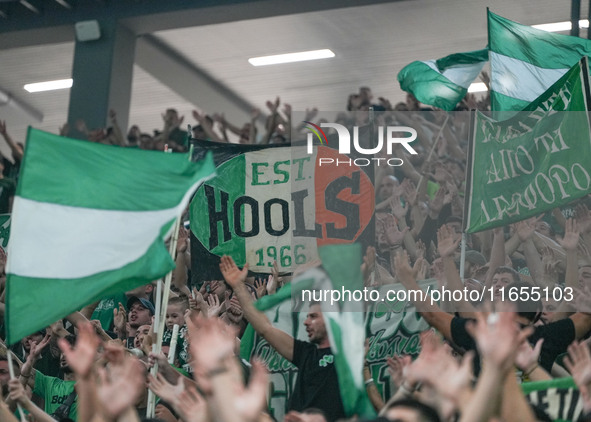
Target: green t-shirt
pixel 104 311
pixel 55 391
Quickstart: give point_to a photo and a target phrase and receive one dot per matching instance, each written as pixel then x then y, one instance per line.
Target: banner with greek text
pixel 272 203
pixel 535 161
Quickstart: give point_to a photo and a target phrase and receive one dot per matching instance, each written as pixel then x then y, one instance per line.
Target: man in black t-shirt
pixel 317 383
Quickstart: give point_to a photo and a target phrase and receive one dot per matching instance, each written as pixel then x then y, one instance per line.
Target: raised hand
pixel 394 236
pixel 198 116
pixel 196 302
pixel 271 284
pixel 214 306
pixel 165 390
pixel 396 207
pixel 17 393
pixel 261 288
pixel 550 264
pixel 311 113
pixel 421 249
pixel 211 342
pixel 570 241
pixel 277 278
pixel 251 401
pixel 578 363
pixel 409 191
pixel 234 311
pixel 369 262
pixel 120 320
pixel 436 204
pixel 404 272
pixel 287 110
pixel 120 389
pixel 498 338
pixel 183 240
pixel 37 348
pixel 396 365
pixel 191 406
pixel 527 357
pixel 583 218
pixel 273 106
pixel 82 356
pixel 420 268
pixel 526 228
pixel 232 274
pixel 447 242
pixel 437 367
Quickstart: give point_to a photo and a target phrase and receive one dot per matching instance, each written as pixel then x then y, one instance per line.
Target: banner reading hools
pixel 278 203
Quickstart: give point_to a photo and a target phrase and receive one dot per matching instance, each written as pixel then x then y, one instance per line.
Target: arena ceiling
pixel 194 54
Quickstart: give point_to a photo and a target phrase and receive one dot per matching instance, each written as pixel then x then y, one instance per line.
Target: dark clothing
pixel 557 337
pixel 317 384
pixel 7 190
pixel 179 136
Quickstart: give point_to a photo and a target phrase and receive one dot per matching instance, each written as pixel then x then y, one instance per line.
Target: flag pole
pixel 161 307
pixel 11 372
pixel 433 149
pixel 160 316
pixel 462 255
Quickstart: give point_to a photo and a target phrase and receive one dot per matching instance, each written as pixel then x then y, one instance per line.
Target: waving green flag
pixel 90 220
pixel 535 161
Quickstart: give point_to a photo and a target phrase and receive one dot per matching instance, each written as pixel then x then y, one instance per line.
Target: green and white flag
pixel 444 82
pixel 525 62
pixel 345 326
pixel 535 161
pixel 90 220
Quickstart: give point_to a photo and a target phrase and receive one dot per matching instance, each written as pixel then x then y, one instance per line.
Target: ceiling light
pixel 560 26
pixel 291 57
pixel 49 85
pixel 477 87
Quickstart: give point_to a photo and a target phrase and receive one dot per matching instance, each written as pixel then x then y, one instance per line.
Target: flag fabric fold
pixel 89 220
pixel 345 326
pixel 526 61
pixel 444 82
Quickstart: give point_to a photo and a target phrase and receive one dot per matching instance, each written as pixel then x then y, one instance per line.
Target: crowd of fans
pixel 93 365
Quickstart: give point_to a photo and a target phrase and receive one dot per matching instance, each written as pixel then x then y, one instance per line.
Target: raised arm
pixel 280 340
pixel 17 150
pixel 497 391
pixel 27 376
pixel 446 246
pixel 117 134
pixel 207 127
pixel 497 255
pixel 434 316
